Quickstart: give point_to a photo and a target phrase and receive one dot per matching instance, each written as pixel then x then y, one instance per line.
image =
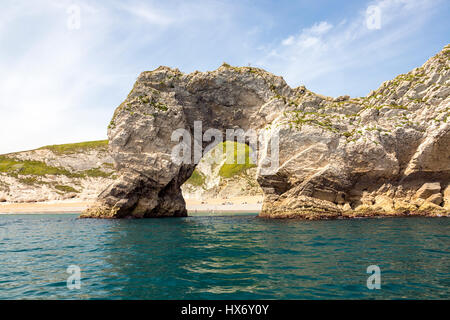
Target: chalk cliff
pixel 78 171
pixel 384 154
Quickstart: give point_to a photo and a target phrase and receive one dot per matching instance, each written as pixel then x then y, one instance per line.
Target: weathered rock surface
pixel 80 174
pixel 343 157
pixel 428 189
pixel 211 181
pixel 75 171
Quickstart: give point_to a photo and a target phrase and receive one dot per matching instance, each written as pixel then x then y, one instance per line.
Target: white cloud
pixel 47 76
pixel 288 41
pixel 318 29
pixel 60 85
pixel 309 37
pixel 150 15
pixel 321 54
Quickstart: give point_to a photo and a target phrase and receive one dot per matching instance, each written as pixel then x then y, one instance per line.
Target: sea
pixel 58 256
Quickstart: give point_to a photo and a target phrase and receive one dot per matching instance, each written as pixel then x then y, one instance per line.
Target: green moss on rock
pixel 24 167
pixel 66 189
pixel 77 147
pixel 233 168
pixel 196 179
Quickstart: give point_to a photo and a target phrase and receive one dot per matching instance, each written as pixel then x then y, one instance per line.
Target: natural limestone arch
pixel 161 102
pixel 338 157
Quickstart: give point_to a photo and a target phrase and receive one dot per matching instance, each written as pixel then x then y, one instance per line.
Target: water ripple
pixel 232 257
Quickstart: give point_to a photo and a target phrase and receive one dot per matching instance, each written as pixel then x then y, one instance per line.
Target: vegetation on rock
pixel 77 147
pixel 26 167
pixel 231 167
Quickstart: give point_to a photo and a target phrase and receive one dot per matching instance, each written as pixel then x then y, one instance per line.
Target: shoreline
pixel 194 206
pixel 51 207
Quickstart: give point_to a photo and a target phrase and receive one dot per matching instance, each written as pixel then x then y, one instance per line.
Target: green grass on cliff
pixel 229 170
pixel 26 167
pixel 96 173
pixel 197 179
pixel 77 147
pixel 15 167
pixel 66 189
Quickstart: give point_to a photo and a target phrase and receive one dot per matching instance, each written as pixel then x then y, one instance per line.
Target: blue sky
pixel 60 83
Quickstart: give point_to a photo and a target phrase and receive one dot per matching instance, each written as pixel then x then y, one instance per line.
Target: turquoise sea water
pixel 229 257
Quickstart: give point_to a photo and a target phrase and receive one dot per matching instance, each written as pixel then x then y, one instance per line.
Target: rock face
pixel 214 179
pixel 73 171
pixel 64 172
pixel 384 154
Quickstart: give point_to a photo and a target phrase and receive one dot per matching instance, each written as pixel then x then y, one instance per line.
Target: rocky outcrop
pixel 64 172
pixel 73 171
pixel 384 154
pixel 214 179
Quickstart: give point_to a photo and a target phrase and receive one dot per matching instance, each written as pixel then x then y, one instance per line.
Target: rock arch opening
pixel 328 148
pixel 219 183
pixel 164 107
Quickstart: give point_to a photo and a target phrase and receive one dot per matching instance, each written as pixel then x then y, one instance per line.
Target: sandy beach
pixel 44 207
pixel 231 205
pixel 211 206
